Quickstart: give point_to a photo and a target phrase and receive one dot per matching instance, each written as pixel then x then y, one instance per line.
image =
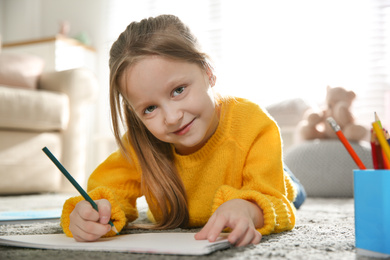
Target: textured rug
pixel 324 230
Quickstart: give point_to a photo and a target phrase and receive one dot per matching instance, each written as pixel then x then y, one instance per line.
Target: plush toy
pixel 338 105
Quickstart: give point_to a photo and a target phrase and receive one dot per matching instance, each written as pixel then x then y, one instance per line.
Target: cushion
pixel 24 167
pixel 20 70
pixel 288 112
pixel 36 110
pixel 325 168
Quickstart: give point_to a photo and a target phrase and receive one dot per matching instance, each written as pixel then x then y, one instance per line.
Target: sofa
pixel 39 109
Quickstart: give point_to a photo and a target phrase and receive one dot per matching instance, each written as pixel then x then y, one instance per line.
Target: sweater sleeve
pixel 116 180
pixel 263 179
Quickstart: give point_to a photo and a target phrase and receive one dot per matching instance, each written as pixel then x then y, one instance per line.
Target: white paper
pixel 154 243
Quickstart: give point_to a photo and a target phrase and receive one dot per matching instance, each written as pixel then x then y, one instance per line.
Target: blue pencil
pixel 74 183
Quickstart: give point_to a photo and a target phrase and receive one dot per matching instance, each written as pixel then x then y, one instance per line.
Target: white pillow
pixel 20 70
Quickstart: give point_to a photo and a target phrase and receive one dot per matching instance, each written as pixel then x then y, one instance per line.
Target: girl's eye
pixel 150 109
pixel 178 91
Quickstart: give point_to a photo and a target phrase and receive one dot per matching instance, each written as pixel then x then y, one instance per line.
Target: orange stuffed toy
pixel 338 104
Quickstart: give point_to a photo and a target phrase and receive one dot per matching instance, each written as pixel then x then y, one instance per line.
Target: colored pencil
pixel 386 162
pixel 345 142
pixel 387 135
pixel 75 184
pixel 374 153
pixel 379 153
pixel 382 139
pixel 377 119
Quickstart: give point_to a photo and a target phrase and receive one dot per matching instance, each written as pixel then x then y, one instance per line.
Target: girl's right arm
pixel 115 185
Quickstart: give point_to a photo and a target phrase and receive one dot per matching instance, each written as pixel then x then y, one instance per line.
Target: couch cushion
pixel 20 70
pixel 24 168
pixel 35 110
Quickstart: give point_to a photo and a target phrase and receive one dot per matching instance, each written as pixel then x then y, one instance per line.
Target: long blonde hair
pixel 166 36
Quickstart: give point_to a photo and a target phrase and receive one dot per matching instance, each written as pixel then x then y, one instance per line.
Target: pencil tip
pixel 115 230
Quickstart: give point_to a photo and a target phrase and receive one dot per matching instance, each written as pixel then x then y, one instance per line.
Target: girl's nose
pixel 173 115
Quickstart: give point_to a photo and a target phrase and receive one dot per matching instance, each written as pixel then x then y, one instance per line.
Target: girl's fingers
pixel 212 229
pixel 216 229
pixel 80 235
pixel 203 233
pixel 238 232
pixel 85 211
pixel 251 237
pixel 88 230
pixel 85 222
pixel 257 238
pixel 240 216
pixel 84 236
pixel 104 207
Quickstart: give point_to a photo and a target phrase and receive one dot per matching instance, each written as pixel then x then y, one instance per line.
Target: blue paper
pixel 7 216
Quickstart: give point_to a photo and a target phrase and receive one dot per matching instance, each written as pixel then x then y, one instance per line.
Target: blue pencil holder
pixel 372 212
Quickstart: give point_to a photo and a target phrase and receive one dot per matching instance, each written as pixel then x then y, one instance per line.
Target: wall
pixel 20 20
pixel 31 19
pixel 1 19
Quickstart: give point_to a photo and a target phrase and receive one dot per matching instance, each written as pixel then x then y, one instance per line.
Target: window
pixel 269 51
pixel 377 92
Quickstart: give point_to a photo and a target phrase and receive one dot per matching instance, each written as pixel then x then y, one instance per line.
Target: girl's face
pixel 174 100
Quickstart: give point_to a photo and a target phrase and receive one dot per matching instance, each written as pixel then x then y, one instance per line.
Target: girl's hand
pixel 242 216
pixel 86 224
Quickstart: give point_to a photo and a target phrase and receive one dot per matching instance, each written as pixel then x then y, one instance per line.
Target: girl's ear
pixel 212 77
pixel 212 80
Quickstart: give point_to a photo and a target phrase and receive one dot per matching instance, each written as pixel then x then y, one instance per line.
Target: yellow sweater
pixel 242 160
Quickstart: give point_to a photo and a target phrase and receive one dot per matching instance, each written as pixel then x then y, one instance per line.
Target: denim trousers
pixel 301 193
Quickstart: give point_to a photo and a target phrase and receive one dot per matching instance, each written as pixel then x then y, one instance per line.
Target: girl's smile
pixel 173 99
pixel 184 129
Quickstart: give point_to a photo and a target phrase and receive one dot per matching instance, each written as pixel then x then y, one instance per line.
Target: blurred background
pixel 267 51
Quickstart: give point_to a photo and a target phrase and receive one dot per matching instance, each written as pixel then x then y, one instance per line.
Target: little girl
pixel 199 160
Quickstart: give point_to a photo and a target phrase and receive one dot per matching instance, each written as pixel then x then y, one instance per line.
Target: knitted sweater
pixel 242 160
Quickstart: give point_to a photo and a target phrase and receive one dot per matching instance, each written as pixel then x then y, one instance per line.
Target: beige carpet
pixel 324 230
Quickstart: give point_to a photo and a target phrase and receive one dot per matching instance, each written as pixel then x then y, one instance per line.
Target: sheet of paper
pixel 154 243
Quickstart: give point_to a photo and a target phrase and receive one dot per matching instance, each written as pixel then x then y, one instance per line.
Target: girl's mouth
pixel 185 129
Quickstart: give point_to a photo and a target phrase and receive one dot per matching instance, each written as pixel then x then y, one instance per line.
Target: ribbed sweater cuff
pixel 291 190
pixel 275 213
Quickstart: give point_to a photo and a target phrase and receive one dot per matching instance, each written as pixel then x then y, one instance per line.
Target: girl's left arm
pixel 266 192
